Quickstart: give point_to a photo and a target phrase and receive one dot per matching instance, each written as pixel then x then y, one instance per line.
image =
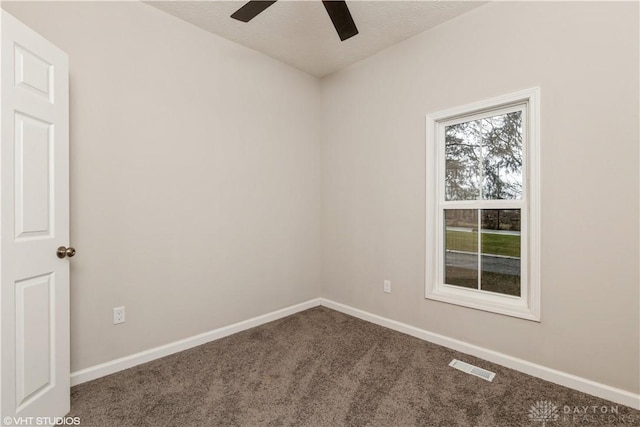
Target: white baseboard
pixel 111 367
pixel 584 385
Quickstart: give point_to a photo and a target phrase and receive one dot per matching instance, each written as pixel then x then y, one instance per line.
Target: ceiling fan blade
pixel 251 9
pixel 341 18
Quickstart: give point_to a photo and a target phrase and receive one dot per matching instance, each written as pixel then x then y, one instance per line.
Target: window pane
pixel 500 239
pixel 462 161
pixel 502 156
pixel 461 247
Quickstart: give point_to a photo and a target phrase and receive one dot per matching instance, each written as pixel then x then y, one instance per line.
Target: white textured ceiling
pixel 301 34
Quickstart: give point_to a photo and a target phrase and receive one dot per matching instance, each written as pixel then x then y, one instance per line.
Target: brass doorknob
pixel 63 252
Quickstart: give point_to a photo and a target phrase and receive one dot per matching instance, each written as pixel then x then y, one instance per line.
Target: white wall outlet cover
pixel 118 315
pixel 387 286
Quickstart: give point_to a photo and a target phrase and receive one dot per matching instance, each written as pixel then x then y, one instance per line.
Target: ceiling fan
pixel 337 10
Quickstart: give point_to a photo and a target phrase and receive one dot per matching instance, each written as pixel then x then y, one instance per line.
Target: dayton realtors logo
pixel 597 414
pixel 543 411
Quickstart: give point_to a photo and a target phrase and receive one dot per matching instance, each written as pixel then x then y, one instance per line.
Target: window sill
pixel 494 303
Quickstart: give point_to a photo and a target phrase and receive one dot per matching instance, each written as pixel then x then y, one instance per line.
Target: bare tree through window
pixel 484 158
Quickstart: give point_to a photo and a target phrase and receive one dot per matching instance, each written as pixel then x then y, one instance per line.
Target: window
pixel 483 205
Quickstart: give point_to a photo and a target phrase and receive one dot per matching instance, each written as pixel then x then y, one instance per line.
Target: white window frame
pixel 527 305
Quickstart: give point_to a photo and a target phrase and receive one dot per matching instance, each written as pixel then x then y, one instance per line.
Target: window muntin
pixel 481 243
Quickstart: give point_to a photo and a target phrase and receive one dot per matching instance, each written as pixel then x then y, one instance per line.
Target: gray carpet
pixel 323 368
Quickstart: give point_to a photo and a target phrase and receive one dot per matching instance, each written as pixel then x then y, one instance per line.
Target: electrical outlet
pixel 387 286
pixel 118 315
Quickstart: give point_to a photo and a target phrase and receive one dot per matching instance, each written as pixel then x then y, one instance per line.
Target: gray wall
pixel 584 57
pixel 195 168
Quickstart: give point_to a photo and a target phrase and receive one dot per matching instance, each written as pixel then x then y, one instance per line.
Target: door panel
pixel 33 180
pixel 34 221
pixel 34 320
pixel 33 73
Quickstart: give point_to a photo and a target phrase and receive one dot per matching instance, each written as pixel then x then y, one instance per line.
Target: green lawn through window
pixel 498 244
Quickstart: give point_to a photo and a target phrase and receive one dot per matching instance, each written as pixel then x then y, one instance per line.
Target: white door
pixel 34 222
